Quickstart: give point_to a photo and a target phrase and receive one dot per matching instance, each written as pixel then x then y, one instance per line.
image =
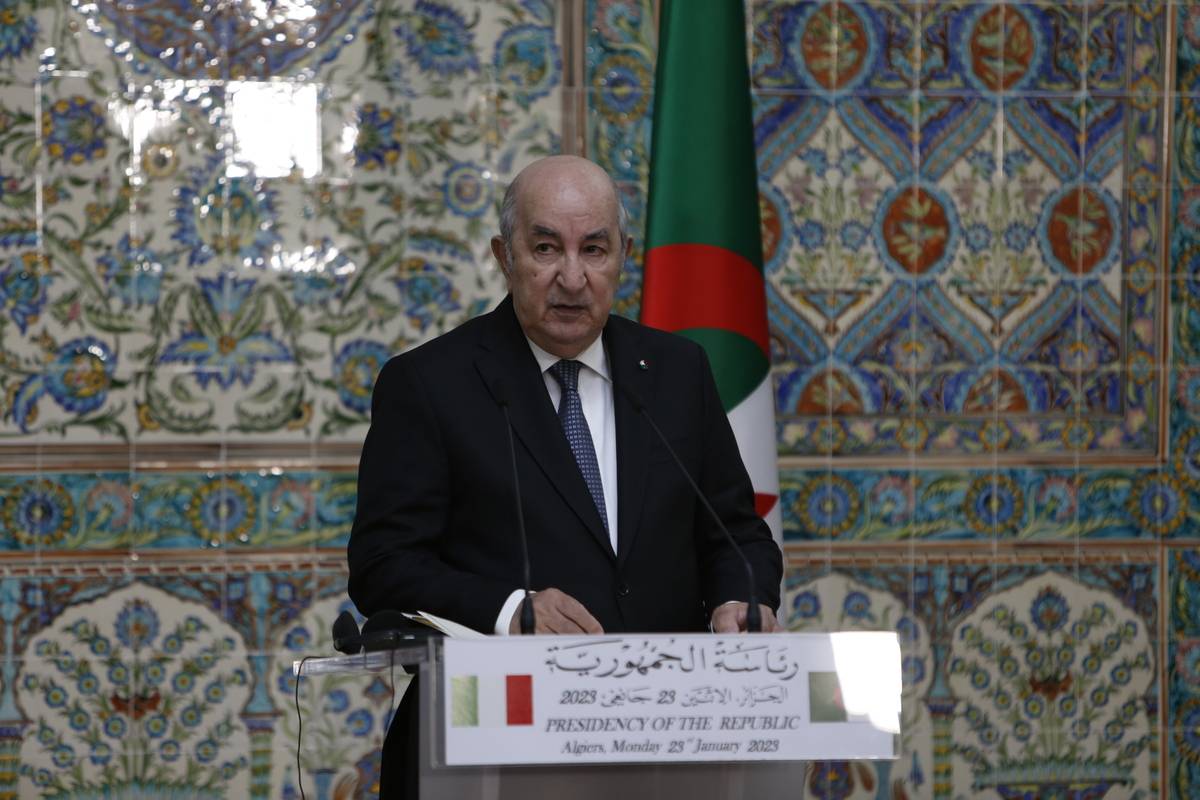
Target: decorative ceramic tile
pixel 238 231
pixel 837 602
pixel 1023 681
pixel 159 39
pixel 1014 504
pixel 1017 197
pixel 175 510
pixel 344 717
pixel 964 207
pixel 1183 672
pixel 193 665
pixel 180 680
pixel 619 76
pixel 139 679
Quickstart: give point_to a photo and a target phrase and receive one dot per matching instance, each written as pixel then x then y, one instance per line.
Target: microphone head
pixel 389 628
pixel 345 634
pixel 389 619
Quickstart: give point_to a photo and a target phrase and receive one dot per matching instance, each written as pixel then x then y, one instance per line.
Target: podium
pixel 642 716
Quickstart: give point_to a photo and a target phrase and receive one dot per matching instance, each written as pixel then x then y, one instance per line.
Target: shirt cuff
pixel 508 611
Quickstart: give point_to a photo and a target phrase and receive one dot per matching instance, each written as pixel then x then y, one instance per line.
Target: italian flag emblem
pixel 704 265
pixel 491 701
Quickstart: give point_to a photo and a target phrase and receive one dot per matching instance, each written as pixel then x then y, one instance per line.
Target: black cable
pixel 299 729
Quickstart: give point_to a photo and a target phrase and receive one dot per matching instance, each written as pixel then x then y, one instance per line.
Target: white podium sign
pixel 671 698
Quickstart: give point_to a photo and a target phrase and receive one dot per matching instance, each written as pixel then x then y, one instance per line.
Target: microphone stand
pixel 753 615
pixel 528 623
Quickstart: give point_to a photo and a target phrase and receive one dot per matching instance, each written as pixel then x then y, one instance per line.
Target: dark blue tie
pixel 570 414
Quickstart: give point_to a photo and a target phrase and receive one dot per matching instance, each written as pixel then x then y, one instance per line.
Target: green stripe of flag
pixel 464 701
pixel 737 364
pixel 703 179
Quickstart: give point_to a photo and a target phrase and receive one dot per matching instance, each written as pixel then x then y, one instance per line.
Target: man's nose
pixel 571 276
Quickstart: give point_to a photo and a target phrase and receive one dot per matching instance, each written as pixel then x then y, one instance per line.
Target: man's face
pixel 566 255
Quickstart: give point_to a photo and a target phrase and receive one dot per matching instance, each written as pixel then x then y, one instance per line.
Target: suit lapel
pixel 633 371
pixel 507 366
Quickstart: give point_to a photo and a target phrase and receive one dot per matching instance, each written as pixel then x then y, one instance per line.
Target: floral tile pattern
pixel 105 701
pixel 1015 504
pixel 1183 672
pixel 981 265
pixel 1019 680
pixel 977 273
pixel 190 277
pixel 167 686
pixel 167 511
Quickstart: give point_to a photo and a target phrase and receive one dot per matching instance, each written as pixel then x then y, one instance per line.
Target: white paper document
pixel 452 629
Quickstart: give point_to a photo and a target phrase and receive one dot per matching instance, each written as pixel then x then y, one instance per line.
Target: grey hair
pixel 508 214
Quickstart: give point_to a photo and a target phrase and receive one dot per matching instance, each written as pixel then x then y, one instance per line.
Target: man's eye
pixel 543 247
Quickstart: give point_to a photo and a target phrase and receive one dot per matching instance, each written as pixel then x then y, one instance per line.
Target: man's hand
pixel 731 618
pixel 557 612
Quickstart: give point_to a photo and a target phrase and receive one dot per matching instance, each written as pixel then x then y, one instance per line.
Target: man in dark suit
pixel 617 539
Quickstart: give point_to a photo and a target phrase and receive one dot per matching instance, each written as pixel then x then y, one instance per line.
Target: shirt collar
pixel 594 357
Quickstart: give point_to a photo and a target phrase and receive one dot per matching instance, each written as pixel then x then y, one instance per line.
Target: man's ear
pixel 501 255
pixel 628 249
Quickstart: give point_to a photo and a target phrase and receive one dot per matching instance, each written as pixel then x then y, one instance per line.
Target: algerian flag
pixel 703 272
pixel 491 701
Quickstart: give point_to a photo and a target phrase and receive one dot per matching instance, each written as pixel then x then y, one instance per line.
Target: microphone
pixel 388 629
pixel 528 623
pixel 753 615
pixel 345 634
pixel 384 630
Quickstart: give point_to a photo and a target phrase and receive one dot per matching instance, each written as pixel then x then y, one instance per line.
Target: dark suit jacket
pixel 436 529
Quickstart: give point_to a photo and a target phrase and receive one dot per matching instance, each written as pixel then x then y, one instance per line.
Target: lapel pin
pixel 642 364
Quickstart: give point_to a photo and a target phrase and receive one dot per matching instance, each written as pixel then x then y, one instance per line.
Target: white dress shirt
pixel 596 395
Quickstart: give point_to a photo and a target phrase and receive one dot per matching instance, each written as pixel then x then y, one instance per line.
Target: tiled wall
pixel 981 223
